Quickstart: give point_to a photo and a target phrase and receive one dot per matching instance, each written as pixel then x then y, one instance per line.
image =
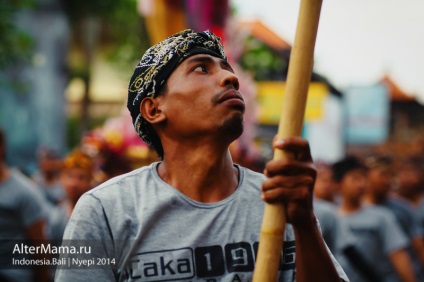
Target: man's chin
pixel 233 127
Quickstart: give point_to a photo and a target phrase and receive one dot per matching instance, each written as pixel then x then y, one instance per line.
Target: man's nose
pixel 229 78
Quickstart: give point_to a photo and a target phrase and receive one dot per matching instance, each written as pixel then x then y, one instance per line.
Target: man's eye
pixel 200 68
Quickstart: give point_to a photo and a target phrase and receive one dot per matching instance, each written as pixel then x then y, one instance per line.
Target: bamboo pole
pixel 291 121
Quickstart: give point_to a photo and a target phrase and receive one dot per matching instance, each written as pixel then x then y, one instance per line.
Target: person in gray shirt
pixel 380 192
pixel 379 238
pixel 23 219
pixel 195 215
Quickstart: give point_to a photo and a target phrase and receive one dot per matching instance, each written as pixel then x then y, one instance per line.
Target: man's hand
pixel 291 180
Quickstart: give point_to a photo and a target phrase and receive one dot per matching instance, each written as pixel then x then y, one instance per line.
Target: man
pixel 380 192
pixel 196 216
pixel 410 180
pixel 22 220
pixel 47 178
pixel 76 178
pixel 324 206
pixel 325 188
pixel 379 239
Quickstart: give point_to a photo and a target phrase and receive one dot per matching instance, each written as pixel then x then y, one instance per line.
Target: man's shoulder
pixel 20 180
pixel 122 182
pixel 250 174
pixel 325 210
pixel 381 214
pixel 325 205
pixel 20 185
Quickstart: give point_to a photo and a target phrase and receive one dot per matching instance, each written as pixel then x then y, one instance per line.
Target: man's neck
pixel 202 173
pixel 374 199
pixel 348 207
pixel 50 178
pixel 413 198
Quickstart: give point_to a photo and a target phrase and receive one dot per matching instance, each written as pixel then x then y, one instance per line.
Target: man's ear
pixel 150 110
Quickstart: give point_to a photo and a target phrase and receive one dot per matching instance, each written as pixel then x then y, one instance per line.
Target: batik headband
pixel 78 159
pixel 159 62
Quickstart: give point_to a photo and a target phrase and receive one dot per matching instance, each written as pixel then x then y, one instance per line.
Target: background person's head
pixel 156 66
pixel 350 175
pixel 380 175
pixel 77 174
pixel 410 177
pixel 49 162
pixel 325 187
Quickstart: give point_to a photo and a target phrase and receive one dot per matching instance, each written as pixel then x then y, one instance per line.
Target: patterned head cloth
pixel 157 64
pixel 78 159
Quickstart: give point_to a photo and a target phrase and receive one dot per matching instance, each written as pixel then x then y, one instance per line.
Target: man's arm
pixel 36 234
pixel 403 265
pixel 313 262
pixel 418 246
pixel 291 181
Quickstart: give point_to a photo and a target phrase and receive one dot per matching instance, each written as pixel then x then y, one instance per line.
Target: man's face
pixel 324 185
pixel 50 165
pixel 353 184
pixel 409 180
pixel 202 98
pixel 76 181
pixel 380 180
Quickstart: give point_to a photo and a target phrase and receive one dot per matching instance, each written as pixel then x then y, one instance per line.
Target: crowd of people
pixel 371 214
pixel 199 209
pixel 35 208
pixel 371 210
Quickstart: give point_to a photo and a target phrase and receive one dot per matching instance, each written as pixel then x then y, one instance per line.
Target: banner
pixel 367 114
pixel 271 98
pixel 326 134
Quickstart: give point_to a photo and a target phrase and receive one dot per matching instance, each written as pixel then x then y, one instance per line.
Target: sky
pixel 358 41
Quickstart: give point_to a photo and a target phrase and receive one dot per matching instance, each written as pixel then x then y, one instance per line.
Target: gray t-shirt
pixel 409 222
pixel 405 215
pixel 336 236
pixel 54 193
pixel 377 236
pixel 419 213
pixel 20 206
pixel 156 233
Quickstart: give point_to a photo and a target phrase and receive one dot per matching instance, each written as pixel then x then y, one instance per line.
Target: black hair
pixel 379 161
pixel 344 166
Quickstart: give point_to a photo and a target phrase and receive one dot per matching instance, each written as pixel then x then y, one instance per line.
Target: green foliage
pixel 263 62
pixel 78 9
pixel 72 132
pixel 128 38
pixel 122 38
pixel 15 44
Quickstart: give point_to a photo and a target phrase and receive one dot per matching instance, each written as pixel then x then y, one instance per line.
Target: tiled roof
pixel 265 34
pixel 396 94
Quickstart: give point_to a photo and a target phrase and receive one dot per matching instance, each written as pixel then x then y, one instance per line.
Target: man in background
pixel 22 220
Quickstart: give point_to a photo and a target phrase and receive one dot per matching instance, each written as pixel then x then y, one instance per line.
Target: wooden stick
pixel 291 121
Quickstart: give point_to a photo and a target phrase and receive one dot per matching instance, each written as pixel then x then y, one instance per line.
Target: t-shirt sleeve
pixel 391 233
pixel 417 229
pixel 33 206
pixel 88 230
pixel 342 275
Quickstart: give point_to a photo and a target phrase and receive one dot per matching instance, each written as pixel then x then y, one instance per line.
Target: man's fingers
pixel 286 195
pixel 297 146
pixel 287 182
pixel 289 167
